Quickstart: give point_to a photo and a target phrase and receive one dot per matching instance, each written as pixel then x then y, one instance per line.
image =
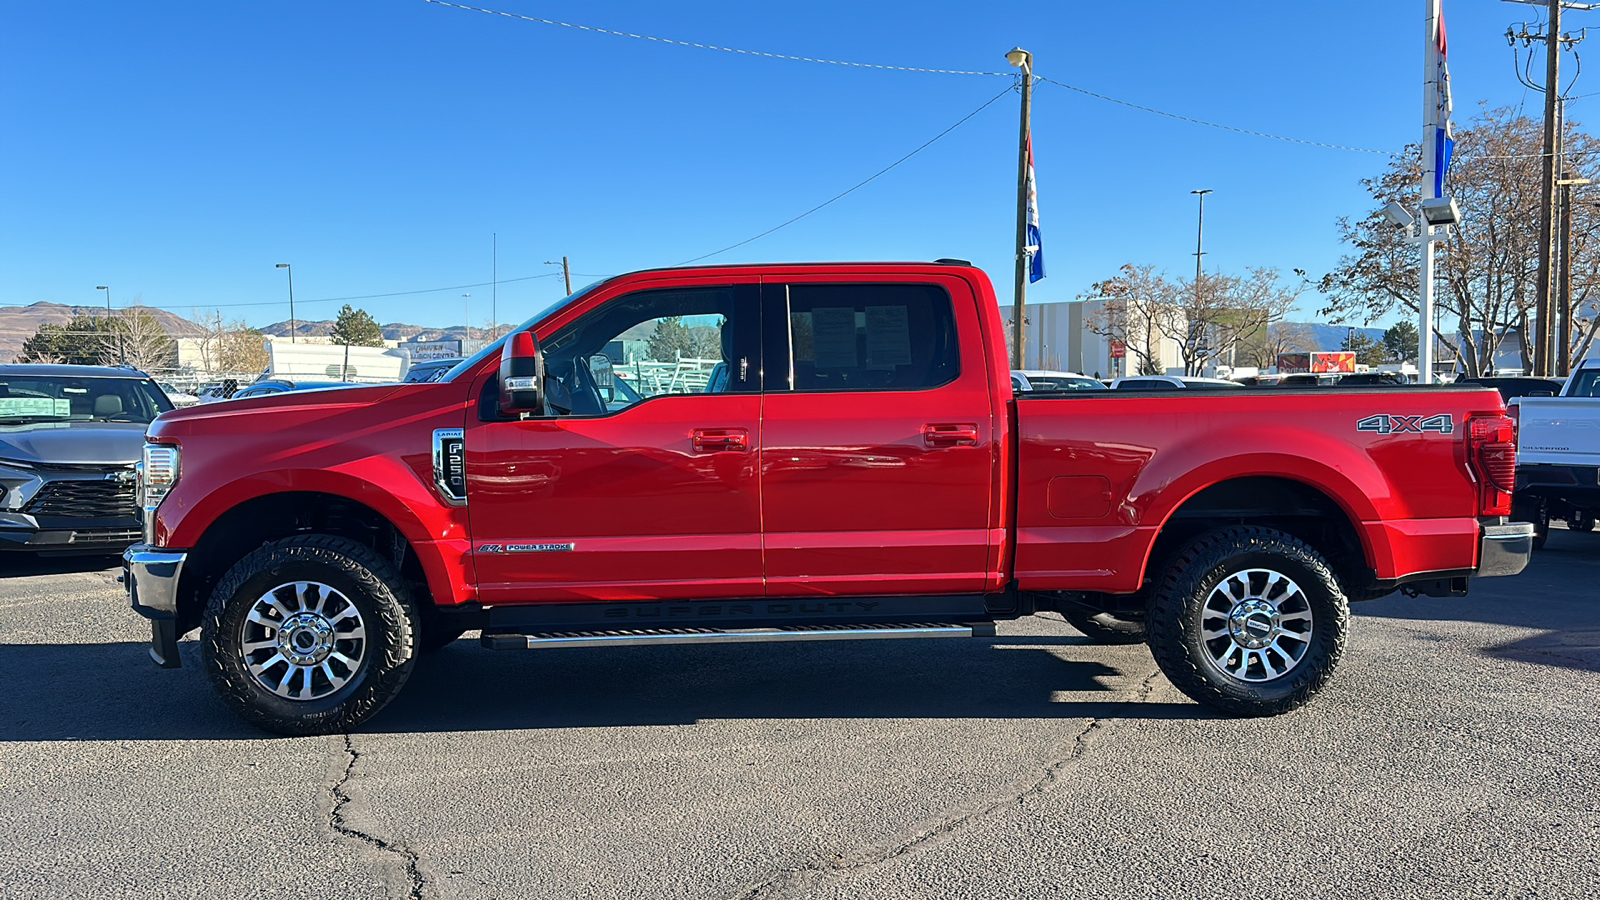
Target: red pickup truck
pixel 796 452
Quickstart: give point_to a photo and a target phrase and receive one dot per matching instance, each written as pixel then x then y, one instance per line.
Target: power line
pixel 698 46
pixel 858 186
pixel 1192 120
pixel 354 297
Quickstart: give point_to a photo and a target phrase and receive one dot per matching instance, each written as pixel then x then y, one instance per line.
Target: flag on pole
pixel 1444 139
pixel 1033 248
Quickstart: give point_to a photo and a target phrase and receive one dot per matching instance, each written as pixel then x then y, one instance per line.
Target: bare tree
pixel 1487 268
pixel 137 339
pixel 229 347
pixel 1279 338
pixel 1215 319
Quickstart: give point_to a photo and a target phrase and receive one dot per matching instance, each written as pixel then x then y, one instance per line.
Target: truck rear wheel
pixel 1104 628
pixel 1248 621
pixel 311 634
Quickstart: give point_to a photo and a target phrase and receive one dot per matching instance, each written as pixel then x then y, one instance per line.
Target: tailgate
pixel 1558 431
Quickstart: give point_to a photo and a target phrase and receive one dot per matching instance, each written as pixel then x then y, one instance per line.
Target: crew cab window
pixel 652 344
pixel 867 337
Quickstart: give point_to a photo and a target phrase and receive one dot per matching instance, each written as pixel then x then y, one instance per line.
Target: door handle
pixel 715 440
pixel 949 435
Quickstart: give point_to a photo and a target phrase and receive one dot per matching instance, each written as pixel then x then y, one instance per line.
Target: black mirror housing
pixel 521 375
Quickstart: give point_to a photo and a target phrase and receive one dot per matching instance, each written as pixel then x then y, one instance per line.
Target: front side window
pixel 869 337
pixel 651 344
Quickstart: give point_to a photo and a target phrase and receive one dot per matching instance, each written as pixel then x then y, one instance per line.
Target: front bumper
pixel 1504 549
pixel 151 579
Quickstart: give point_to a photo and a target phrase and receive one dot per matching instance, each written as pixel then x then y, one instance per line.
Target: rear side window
pixel 869 337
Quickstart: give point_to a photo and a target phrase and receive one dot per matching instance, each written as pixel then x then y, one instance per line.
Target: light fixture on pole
pixel 1023 60
pixel 122 353
pixel 294 326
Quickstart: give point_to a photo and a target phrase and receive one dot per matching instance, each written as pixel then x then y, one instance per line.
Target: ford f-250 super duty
pixel 787 453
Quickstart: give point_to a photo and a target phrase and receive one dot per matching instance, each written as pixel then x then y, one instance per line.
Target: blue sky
pixel 176 151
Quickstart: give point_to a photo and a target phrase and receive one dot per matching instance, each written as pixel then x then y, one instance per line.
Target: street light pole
pixel 1024 60
pixel 466 317
pixel 293 325
pixel 122 353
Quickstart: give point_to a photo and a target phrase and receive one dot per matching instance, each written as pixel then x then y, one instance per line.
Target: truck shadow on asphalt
pixel 1558 593
pixel 112 692
pixel 15 564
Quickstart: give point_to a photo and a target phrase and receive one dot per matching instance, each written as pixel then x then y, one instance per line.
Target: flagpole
pixel 1024 59
pixel 1430 116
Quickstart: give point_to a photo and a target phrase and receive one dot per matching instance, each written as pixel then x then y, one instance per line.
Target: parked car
pixel 430 370
pixel 1045 380
pixel 1372 379
pixel 179 398
pixel 1558 439
pixel 1513 386
pixel 269 386
pixel 69 439
pixel 871 480
pixel 1169 382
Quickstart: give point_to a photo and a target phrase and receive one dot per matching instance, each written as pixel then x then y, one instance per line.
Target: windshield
pixel 493 349
pixel 69 398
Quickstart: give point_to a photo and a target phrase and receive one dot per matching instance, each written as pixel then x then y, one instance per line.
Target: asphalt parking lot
pixel 1455 755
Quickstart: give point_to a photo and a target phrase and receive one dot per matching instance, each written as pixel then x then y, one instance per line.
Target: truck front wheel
pixel 311 634
pixel 1248 621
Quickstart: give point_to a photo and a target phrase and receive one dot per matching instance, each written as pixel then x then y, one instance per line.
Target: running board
pixel 658 636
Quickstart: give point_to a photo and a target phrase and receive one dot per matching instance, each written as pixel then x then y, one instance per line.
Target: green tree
pixel 79 342
pixel 1401 342
pixel 356 328
pixel 1368 351
pixel 670 340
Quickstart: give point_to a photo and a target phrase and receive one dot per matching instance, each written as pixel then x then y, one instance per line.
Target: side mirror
pixel 521 375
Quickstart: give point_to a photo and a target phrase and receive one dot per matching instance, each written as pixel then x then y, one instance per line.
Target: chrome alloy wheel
pixel 303 640
pixel 1256 625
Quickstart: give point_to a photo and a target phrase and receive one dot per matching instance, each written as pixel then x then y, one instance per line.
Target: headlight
pixel 158 472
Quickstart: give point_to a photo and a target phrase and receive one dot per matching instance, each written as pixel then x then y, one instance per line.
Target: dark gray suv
pixel 69 439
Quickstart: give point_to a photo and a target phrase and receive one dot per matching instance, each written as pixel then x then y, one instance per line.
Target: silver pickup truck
pixel 1558 455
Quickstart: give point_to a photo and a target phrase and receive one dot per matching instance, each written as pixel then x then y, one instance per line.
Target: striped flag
pixel 1033 247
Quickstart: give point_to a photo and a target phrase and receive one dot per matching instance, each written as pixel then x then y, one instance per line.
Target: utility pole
pixel 1199 238
pixel 1544 353
pixel 1024 60
pixel 566 272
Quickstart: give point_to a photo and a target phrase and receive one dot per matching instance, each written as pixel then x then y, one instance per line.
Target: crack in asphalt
pixel 336 821
pixel 779 883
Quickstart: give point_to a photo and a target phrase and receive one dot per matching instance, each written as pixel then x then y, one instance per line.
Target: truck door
pixel 642 484
pixel 878 448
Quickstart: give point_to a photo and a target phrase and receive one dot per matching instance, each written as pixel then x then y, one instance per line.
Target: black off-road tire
pixel 372 586
pixel 1177 611
pixel 1105 628
pixel 1535 510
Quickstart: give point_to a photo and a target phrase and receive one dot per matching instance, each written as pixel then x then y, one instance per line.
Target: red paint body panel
pixel 826 493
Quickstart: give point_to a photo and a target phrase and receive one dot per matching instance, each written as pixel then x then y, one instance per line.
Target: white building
pixel 1057 337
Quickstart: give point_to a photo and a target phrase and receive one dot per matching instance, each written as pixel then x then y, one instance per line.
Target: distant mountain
pixel 1332 337
pixel 394 331
pixel 18 323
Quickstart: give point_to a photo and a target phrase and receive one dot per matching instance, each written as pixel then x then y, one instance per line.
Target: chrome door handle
pixel 715 440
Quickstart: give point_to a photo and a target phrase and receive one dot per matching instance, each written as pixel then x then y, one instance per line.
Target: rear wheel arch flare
pixel 1304 510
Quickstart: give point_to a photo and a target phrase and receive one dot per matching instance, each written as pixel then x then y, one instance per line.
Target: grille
pixel 84 500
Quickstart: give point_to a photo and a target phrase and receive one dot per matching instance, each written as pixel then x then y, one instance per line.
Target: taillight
pixel 1492 452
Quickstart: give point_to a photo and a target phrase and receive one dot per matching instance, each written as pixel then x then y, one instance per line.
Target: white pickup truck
pixel 1558 454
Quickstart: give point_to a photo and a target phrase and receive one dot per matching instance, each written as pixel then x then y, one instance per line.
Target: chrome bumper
pixel 151 579
pixel 1505 549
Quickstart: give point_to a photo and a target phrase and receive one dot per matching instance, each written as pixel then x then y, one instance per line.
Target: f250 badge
pixel 1442 423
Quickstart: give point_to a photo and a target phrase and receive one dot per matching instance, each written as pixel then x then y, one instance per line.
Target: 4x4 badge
pixel 1385 424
